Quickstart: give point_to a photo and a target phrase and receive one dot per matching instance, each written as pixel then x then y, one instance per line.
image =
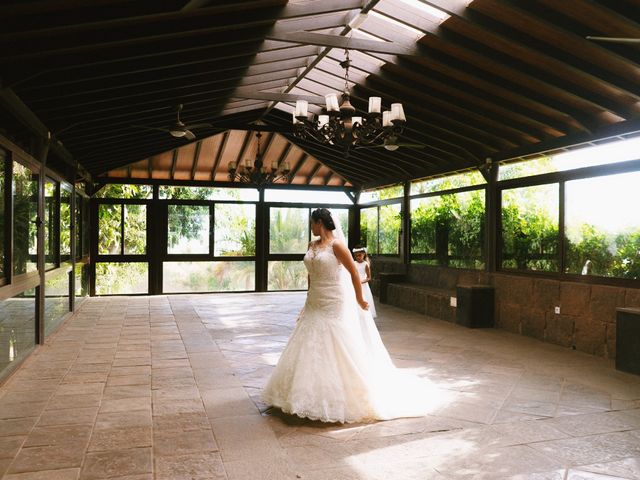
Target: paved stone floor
pixel 168 387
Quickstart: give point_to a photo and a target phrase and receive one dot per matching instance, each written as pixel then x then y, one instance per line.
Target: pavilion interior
pixel 147 287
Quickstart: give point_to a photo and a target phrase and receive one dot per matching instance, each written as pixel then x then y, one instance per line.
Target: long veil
pixel 338 233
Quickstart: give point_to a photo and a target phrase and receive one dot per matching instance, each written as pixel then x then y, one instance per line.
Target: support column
pixel 262 243
pixel 492 207
pixel 41 153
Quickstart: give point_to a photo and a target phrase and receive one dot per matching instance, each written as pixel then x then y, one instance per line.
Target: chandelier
pixel 338 124
pixel 256 172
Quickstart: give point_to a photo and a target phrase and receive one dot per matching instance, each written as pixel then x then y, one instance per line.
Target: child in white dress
pixel 364 270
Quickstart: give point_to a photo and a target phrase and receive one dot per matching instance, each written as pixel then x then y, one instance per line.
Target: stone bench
pixel 473 306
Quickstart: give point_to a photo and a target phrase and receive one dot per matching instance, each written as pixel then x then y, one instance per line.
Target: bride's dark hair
pixel 324 216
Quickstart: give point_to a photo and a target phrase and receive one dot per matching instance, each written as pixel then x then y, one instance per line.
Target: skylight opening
pixel 428 9
pixel 414 32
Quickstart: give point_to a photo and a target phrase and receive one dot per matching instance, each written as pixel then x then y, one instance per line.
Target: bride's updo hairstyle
pixel 324 216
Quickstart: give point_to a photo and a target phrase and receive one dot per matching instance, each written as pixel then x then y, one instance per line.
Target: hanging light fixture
pixel 256 172
pixel 339 125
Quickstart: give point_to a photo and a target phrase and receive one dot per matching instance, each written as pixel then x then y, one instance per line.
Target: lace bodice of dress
pixel 322 265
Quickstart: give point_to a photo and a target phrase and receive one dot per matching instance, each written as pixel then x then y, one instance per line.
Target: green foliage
pixel 530 231
pixel 289 230
pixel 235 230
pixel 287 275
pixel 627 260
pixel 450 227
pixel 593 248
pixel 116 190
pixel 390 223
pixel 188 222
pixel 121 278
pixel 25 193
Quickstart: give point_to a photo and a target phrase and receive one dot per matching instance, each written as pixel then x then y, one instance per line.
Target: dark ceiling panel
pixel 486 78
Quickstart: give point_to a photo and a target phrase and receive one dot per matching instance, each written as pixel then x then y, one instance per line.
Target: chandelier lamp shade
pixel 338 124
pixel 256 172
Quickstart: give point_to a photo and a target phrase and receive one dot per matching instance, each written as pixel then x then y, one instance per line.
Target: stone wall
pixel 526 304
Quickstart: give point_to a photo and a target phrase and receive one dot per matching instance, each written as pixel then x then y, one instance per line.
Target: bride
pixel 335 367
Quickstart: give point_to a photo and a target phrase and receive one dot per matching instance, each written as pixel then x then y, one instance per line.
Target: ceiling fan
pixel 614 39
pixel 391 144
pixel 178 129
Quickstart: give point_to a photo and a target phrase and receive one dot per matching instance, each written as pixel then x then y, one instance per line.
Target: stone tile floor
pixel 168 387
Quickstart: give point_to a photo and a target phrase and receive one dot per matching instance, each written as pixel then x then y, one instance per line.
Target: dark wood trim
pixel 20 284
pixel 219 155
pixel 196 158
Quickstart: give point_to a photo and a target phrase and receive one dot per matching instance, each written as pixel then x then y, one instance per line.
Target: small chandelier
pixel 257 173
pixel 338 124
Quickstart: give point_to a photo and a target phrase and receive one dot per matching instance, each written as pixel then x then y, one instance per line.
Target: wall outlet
pixel 556 310
pixel 453 302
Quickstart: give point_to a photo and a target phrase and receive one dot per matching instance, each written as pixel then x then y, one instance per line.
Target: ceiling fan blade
pixel 198 125
pixel 188 134
pixel 157 129
pixel 614 39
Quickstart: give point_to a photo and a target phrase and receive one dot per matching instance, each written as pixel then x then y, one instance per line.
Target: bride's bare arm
pixel 344 257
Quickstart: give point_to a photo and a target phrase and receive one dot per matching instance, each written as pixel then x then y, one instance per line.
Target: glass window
pixel 287 275
pixel 530 228
pixel 394 191
pixel 3 157
pixel 235 229
pixel 183 277
pixel 208 193
pixel 389 228
pixel 369 229
pixel 602 226
pixel 51 208
pixel 465 179
pixel 82 280
pixel 17 329
pixel 114 190
pixel 109 232
pixel 124 278
pixel 288 230
pixel 449 230
pixel 188 229
pixel 65 223
pixel 135 229
pixel 86 231
pixel 56 302
pixel 527 168
pixel 306 196
pixel 25 212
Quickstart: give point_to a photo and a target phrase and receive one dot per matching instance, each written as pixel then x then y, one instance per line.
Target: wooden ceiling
pixel 207 160
pixel 478 79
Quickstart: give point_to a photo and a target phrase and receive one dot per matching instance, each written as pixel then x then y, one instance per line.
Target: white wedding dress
pixel 335 367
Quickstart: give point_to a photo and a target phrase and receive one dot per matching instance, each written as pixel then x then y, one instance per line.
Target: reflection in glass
pixel 51 208
pixel 289 230
pixel 109 233
pixel 56 302
pixel 114 278
pixel 183 277
pixel 530 217
pixel 235 229
pixel 17 329
pixel 602 227
pixel 189 230
pixel 135 229
pixel 369 229
pixel 287 275
pixel 65 224
pixel 25 210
